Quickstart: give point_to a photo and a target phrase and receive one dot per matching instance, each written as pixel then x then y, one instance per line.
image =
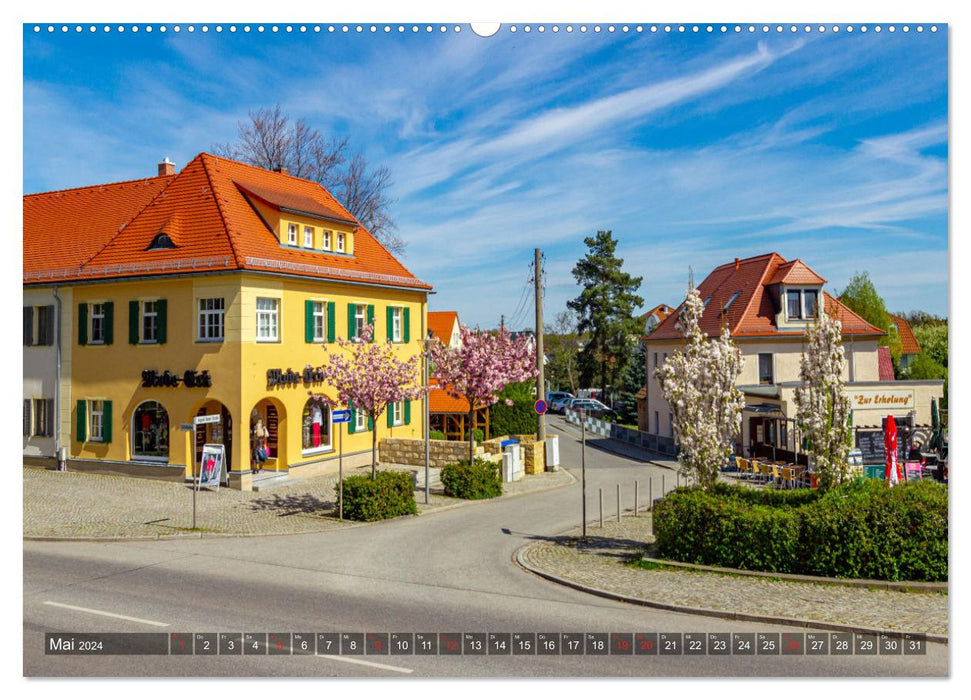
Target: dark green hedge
pixel 481 480
pixel 861 530
pixel 518 419
pixel 388 495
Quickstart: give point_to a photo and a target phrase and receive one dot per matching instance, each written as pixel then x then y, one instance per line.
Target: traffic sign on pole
pixel 540 407
pixel 342 416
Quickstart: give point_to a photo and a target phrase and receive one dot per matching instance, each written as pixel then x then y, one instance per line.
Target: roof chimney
pixel 281 169
pixel 166 167
pixel 736 263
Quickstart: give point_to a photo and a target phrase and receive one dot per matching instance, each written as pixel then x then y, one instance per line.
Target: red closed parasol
pixel 890 444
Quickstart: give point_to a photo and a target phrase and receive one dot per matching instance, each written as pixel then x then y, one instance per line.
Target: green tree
pixel 933 341
pixel 861 297
pixel 605 309
pixel 634 380
pixel 560 344
pixel 925 367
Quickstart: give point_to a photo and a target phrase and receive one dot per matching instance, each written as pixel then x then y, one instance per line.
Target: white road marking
pixel 352 660
pixel 106 614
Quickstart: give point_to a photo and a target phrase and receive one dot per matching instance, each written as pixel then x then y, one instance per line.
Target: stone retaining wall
pixel 440 452
pixel 533 452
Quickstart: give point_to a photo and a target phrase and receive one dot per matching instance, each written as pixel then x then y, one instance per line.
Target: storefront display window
pixel 316 426
pixel 150 431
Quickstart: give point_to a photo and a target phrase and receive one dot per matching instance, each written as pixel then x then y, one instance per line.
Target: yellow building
pixel 220 295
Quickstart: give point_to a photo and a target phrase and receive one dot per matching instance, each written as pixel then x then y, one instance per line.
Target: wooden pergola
pixel 450 415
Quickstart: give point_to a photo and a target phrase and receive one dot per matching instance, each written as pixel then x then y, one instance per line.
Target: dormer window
pixel 308 236
pixel 340 242
pixel 327 235
pixel 801 304
pixel 292 234
pixel 161 242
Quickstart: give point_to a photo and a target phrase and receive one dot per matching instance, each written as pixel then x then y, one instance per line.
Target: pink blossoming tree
pixel 369 376
pixel 481 366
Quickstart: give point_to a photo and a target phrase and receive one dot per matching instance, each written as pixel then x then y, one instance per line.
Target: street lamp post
pixel 426 344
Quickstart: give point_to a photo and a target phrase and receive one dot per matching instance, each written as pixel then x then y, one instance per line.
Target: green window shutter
pixel 133 323
pixel 351 329
pixel 106 422
pixel 82 324
pixel 352 426
pixel 390 316
pixel 370 321
pixel 81 421
pixel 109 322
pixel 406 321
pixel 390 412
pixel 27 418
pixel 161 320
pixel 370 423
pixel 308 316
pixel 331 329
pixel 407 412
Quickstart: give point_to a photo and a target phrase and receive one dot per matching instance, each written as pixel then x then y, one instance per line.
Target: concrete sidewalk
pixel 74 505
pixel 602 566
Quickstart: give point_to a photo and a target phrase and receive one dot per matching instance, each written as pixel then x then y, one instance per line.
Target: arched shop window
pixel 150 431
pixel 316 426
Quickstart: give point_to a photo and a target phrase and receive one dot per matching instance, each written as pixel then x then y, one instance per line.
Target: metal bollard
pixel 601 507
pixel 650 494
pixel 618 503
pixel 662 485
pixel 635 497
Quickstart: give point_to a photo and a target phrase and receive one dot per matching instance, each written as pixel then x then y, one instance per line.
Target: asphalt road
pixel 445 572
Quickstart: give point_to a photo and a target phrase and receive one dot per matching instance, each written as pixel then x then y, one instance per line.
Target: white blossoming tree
pixel 822 406
pixel 699 384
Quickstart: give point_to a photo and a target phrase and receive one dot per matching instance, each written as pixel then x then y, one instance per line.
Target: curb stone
pixel 708 612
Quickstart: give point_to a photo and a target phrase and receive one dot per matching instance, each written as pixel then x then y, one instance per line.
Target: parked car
pixel 553 396
pixel 593 408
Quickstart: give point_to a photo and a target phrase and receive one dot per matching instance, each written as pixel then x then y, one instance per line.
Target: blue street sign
pixel 341 416
pixel 540 407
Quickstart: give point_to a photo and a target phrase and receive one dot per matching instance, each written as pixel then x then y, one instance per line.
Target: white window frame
pixel 144 316
pixel 38 409
pixel 292 234
pixel 211 314
pixel 771 368
pixel 397 324
pixel 96 428
pixel 308 236
pixel 340 242
pixel 325 244
pixel 101 316
pixel 398 413
pixel 320 315
pixel 149 458
pixel 360 421
pixel 803 295
pixel 272 320
pixel 329 447
pixel 360 319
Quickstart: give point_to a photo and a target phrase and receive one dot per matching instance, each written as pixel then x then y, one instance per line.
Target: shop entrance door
pixel 220 433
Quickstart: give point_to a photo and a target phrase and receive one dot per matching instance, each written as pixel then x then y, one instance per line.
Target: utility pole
pixel 502 322
pixel 540 380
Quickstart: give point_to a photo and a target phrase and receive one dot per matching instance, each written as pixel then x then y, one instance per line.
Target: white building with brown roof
pixel 767 303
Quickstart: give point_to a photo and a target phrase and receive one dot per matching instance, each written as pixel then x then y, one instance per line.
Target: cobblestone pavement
pixel 602 564
pixel 78 505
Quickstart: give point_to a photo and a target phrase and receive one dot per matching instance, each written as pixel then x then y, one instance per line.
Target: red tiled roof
pixel 661 310
pixel 441 323
pixel 908 342
pixel 440 401
pixel 213 224
pixel 795 272
pixel 66 228
pixel 752 313
pixel 885 364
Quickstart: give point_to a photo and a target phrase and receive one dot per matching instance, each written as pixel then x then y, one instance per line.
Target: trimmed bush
pixel 388 495
pixel 861 530
pixel 436 435
pixel 518 419
pixel 481 480
pixel 478 435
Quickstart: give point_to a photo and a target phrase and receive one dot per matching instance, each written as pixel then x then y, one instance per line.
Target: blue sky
pixel 694 148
